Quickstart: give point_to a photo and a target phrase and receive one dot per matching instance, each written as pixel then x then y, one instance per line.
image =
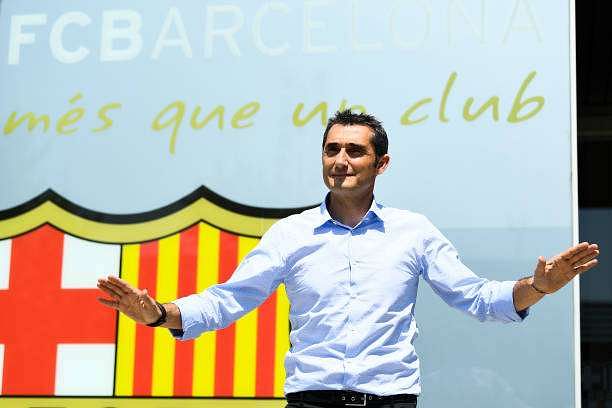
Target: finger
pixel 110 285
pixel 109 290
pixel 116 288
pixel 109 303
pixel 120 283
pixel 567 255
pixel 591 249
pixel 586 267
pixel 586 259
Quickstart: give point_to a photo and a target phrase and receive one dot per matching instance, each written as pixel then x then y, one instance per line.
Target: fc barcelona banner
pixel 158 141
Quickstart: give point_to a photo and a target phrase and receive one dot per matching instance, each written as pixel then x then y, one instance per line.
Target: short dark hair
pixel 348 118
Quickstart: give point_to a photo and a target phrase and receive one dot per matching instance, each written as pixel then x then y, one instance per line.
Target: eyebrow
pixel 353 145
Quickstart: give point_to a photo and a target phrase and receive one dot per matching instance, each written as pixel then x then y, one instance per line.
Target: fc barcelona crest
pixel 65 344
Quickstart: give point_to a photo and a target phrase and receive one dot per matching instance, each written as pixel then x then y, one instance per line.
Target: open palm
pixel 133 302
pixel 551 275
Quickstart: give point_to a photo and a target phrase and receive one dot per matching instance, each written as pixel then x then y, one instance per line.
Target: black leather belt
pixel 348 398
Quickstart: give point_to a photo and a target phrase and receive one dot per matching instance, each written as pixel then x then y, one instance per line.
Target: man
pixel 351 269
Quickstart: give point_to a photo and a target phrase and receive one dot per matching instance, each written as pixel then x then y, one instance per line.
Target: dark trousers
pixel 308 405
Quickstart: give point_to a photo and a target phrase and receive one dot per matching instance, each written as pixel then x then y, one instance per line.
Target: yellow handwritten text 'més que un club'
pixel 522 109
pixel 173 115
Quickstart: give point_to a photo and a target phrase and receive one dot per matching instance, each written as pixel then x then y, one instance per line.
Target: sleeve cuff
pixel 523 313
pixel 192 319
pixel 505 305
pixel 177 333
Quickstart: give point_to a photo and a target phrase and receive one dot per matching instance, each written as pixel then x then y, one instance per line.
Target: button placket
pixel 347 363
pixel 352 295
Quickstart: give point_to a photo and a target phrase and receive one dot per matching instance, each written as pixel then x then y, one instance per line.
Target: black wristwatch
pixel 162 318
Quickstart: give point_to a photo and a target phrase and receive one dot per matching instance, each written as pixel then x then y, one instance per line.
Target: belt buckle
pixel 363 404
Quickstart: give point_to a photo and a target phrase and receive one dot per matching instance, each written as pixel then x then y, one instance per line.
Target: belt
pixel 348 398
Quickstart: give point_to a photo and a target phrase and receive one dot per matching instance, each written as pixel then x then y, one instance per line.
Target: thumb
pixel 147 300
pixel 143 298
pixel 540 265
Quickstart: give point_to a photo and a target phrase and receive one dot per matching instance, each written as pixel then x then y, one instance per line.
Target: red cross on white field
pixel 37 314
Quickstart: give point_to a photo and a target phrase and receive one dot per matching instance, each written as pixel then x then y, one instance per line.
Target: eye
pixel 331 150
pixel 355 151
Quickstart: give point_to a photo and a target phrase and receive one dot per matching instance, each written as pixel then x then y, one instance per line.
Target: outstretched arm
pixel 257 276
pixel 553 274
pixel 137 304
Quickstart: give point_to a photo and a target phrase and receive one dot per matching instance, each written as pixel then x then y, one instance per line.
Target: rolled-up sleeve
pixel 461 288
pixel 257 276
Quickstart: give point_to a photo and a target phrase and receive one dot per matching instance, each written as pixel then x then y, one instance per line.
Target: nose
pixel 341 158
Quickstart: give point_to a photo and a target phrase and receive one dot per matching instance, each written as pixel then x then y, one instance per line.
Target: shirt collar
pixel 375 210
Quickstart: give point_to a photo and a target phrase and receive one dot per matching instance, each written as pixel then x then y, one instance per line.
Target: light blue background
pixel 500 191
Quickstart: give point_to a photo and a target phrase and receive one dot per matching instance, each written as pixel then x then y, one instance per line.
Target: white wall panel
pixel 85 261
pixel 85 369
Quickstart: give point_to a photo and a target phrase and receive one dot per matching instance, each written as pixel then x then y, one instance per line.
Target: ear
pixel 383 163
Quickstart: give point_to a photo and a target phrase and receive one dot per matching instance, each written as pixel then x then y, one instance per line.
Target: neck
pixel 349 210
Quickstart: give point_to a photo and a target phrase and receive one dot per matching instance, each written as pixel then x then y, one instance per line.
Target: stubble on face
pixel 349 160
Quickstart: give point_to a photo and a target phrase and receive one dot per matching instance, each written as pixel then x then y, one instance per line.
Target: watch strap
pixel 534 287
pixel 162 318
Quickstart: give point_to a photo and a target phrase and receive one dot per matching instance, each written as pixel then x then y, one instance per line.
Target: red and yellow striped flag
pixel 242 360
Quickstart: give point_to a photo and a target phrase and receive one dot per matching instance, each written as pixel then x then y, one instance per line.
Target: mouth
pixel 340 175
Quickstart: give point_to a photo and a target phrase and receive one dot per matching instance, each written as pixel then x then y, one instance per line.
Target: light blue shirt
pixel 352 293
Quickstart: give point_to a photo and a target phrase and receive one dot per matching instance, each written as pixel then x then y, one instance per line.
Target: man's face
pixel 349 160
